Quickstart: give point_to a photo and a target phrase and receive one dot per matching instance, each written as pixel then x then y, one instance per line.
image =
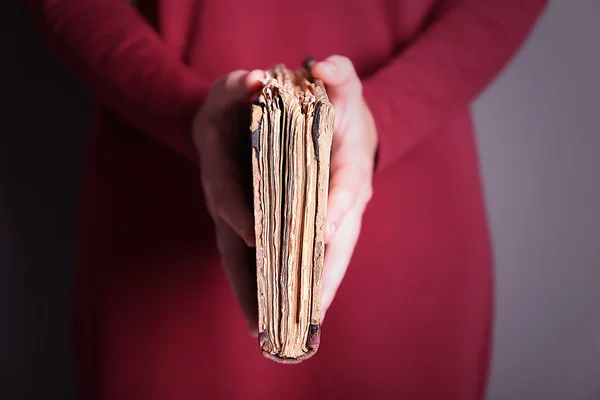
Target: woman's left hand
pixel 352 162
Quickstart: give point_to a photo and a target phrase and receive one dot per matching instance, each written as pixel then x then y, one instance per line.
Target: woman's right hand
pixel 216 135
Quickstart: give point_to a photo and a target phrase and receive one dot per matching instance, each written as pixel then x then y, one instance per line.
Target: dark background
pixel 44 124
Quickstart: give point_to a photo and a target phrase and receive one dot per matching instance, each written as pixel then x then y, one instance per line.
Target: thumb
pixel 339 75
pixel 344 192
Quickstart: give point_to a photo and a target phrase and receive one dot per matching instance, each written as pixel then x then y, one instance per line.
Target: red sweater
pixel 154 317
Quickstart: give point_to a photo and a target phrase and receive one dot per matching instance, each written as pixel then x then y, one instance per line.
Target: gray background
pixel 538 134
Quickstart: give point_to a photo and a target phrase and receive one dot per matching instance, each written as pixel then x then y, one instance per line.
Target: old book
pixel 292 129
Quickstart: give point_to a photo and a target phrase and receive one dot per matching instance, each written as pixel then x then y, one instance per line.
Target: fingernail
pixel 324 307
pixel 253 331
pixel 323 312
pixel 329 232
pixel 328 68
pixel 248 237
pixel 255 77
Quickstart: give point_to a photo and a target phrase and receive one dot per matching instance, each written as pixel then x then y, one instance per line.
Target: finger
pixel 344 192
pixel 254 79
pixel 337 257
pixel 239 271
pixel 225 197
pixel 339 75
pixel 241 84
pixel 238 85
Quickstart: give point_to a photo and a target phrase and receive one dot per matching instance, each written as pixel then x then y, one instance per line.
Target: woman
pixel 154 316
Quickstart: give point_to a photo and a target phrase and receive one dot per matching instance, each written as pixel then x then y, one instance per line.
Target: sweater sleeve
pixel 125 64
pixel 437 76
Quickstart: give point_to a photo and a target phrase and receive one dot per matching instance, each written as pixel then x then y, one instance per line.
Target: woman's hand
pixel 352 162
pixel 216 131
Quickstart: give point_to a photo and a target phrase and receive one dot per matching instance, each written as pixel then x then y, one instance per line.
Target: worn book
pixel 292 129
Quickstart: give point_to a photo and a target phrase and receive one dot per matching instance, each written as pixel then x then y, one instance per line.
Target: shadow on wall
pixel 44 123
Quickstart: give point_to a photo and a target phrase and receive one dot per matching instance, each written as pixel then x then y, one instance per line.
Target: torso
pixel 411 319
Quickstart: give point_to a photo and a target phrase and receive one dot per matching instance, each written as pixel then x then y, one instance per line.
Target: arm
pixel 125 65
pixel 465 46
